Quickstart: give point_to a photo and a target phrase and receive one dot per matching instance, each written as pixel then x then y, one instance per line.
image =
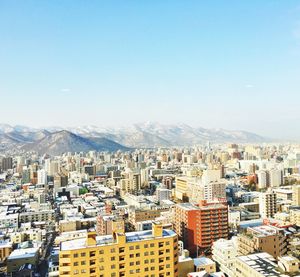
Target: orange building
pixel 199 226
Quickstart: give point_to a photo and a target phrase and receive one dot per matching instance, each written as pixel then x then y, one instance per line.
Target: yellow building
pixel 146 253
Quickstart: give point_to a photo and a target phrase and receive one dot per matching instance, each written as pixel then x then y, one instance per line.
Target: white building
pixel 275 176
pixel 262 179
pixel 224 254
pixel 163 194
pixel 42 176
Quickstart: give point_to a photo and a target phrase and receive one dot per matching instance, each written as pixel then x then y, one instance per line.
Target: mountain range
pixel 56 140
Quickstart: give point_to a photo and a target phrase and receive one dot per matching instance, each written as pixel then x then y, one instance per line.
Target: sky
pixel 215 64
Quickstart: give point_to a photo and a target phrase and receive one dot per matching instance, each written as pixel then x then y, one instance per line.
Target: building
pixel 19 257
pixel 199 226
pixel 275 177
pixel 42 176
pixel 32 216
pixel 163 194
pixel 267 204
pixel 185 264
pixel 107 224
pixel 147 253
pixel 266 238
pixel 6 163
pixel 5 250
pixel 224 253
pixel 138 215
pixel 262 179
pixel 296 195
pixel 256 265
pixel 205 264
pixel 288 264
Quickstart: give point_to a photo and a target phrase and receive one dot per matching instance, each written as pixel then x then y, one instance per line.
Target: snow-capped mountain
pixel 145 134
pixel 64 141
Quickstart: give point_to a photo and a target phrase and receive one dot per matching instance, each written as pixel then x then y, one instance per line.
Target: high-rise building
pixel 42 176
pixel 267 204
pixel 145 253
pixel 262 179
pixel 199 226
pixel 6 163
pixel 276 177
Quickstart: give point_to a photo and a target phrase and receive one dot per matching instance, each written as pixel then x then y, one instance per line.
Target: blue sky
pixel 215 64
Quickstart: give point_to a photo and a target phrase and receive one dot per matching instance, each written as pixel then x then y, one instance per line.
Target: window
pixel 113 258
pixel 83 263
pixel 113 250
pixel 131 247
pixel 151 244
pixel 76 264
pixel 101 252
pixel 137 247
pixel 82 254
pixel 75 255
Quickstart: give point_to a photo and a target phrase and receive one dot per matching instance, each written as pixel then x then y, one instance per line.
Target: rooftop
pixel 109 239
pixel 263 263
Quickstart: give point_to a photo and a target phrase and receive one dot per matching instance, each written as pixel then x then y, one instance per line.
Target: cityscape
pixel 149 138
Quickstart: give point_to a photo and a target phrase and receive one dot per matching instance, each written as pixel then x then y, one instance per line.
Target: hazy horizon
pixel 206 64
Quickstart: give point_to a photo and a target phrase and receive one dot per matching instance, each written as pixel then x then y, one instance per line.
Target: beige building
pixel 269 239
pixel 5 250
pixel 256 265
pixel 205 264
pixel 107 224
pixel 295 217
pixel 296 195
pixel 288 264
pixel 267 204
pixel 138 215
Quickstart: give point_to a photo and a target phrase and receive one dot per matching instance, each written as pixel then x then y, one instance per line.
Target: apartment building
pixel 267 204
pixel 151 253
pixel 266 238
pixel 199 226
pixel 224 253
pixel 33 216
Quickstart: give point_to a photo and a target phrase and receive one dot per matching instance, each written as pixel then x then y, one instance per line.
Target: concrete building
pixel 256 265
pixel 266 238
pixel 199 226
pixel 224 253
pixel 296 195
pixel 267 204
pixel 262 179
pixel 121 254
pixel 107 224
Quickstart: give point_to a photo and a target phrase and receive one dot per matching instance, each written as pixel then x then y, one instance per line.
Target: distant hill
pixel 55 140
pixel 64 141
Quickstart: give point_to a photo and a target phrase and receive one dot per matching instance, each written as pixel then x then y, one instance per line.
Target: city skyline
pixel 204 64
